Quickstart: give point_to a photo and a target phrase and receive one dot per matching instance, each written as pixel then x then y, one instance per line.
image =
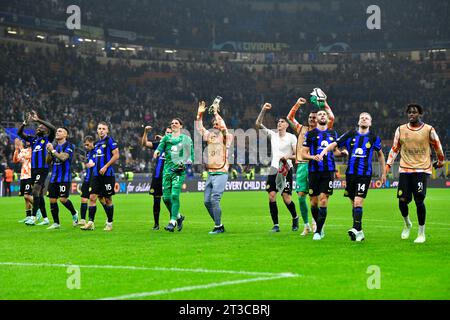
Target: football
pixel 317 92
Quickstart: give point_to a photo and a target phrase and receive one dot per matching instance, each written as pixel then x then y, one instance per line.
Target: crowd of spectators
pixel 78 91
pixel 303 25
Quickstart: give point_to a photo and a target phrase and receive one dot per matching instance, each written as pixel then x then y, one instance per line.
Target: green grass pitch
pixel 246 262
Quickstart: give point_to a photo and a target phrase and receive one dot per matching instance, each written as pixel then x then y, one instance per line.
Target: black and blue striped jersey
pixel 103 153
pixel 317 140
pixel 38 151
pixel 158 169
pixel 360 149
pixel 88 174
pixel 61 170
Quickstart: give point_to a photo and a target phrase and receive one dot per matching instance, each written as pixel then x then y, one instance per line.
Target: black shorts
pixel 103 186
pixel 321 182
pixel 58 190
pixel 411 184
pixel 38 176
pixel 26 187
pixel 271 184
pixel 356 186
pixel 85 190
pixel 156 187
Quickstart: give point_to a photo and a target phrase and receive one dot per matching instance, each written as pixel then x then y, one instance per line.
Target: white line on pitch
pixel 63 265
pixel 197 287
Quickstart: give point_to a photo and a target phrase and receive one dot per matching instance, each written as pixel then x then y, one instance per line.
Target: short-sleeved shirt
pixel 103 153
pixel 317 140
pixel 61 170
pixel 281 146
pixel 38 151
pixel 360 149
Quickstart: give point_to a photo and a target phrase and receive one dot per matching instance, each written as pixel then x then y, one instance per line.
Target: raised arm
pixel 330 115
pixel 295 125
pixel 199 121
pixel 51 128
pixel 144 140
pixel 20 132
pixel 259 120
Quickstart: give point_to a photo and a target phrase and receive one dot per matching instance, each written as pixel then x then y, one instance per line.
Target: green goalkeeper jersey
pixel 178 151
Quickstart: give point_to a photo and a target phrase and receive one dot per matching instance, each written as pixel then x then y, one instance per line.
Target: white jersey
pixel 281 146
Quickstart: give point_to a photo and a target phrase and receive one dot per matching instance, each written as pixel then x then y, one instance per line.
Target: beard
pixel 323 122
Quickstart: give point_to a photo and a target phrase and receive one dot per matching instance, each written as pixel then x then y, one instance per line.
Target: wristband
pixel 53 151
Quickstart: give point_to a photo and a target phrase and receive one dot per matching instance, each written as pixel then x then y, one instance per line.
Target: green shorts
pixel 302 183
pixel 172 183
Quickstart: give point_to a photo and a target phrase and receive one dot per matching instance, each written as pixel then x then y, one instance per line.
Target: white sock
pixel 174 222
pixel 407 221
pixel 422 230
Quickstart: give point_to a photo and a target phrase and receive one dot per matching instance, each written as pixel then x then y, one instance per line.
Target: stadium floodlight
pixel 12 31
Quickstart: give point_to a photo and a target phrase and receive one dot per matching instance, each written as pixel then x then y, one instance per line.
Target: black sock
pixel 291 208
pixel 69 205
pixel 42 207
pixel 92 211
pixel 322 216
pixel 315 213
pixel 274 211
pixel 421 213
pixel 83 209
pixel 110 213
pixel 403 208
pixel 36 202
pixel 105 207
pixel 28 212
pixel 357 218
pixel 55 212
pixel 156 209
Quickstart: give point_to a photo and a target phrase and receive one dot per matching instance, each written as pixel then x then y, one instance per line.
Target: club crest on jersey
pixel 42 141
pixel 331 138
pixel 103 145
pixel 368 145
pixel 400 192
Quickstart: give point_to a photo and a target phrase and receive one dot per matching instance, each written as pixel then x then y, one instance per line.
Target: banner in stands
pixel 197 185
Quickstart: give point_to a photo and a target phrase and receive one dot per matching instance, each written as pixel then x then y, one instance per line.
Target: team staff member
pixel 412 141
pixel 22 154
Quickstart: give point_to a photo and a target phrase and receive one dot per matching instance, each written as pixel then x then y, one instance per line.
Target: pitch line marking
pixel 64 265
pixel 198 287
